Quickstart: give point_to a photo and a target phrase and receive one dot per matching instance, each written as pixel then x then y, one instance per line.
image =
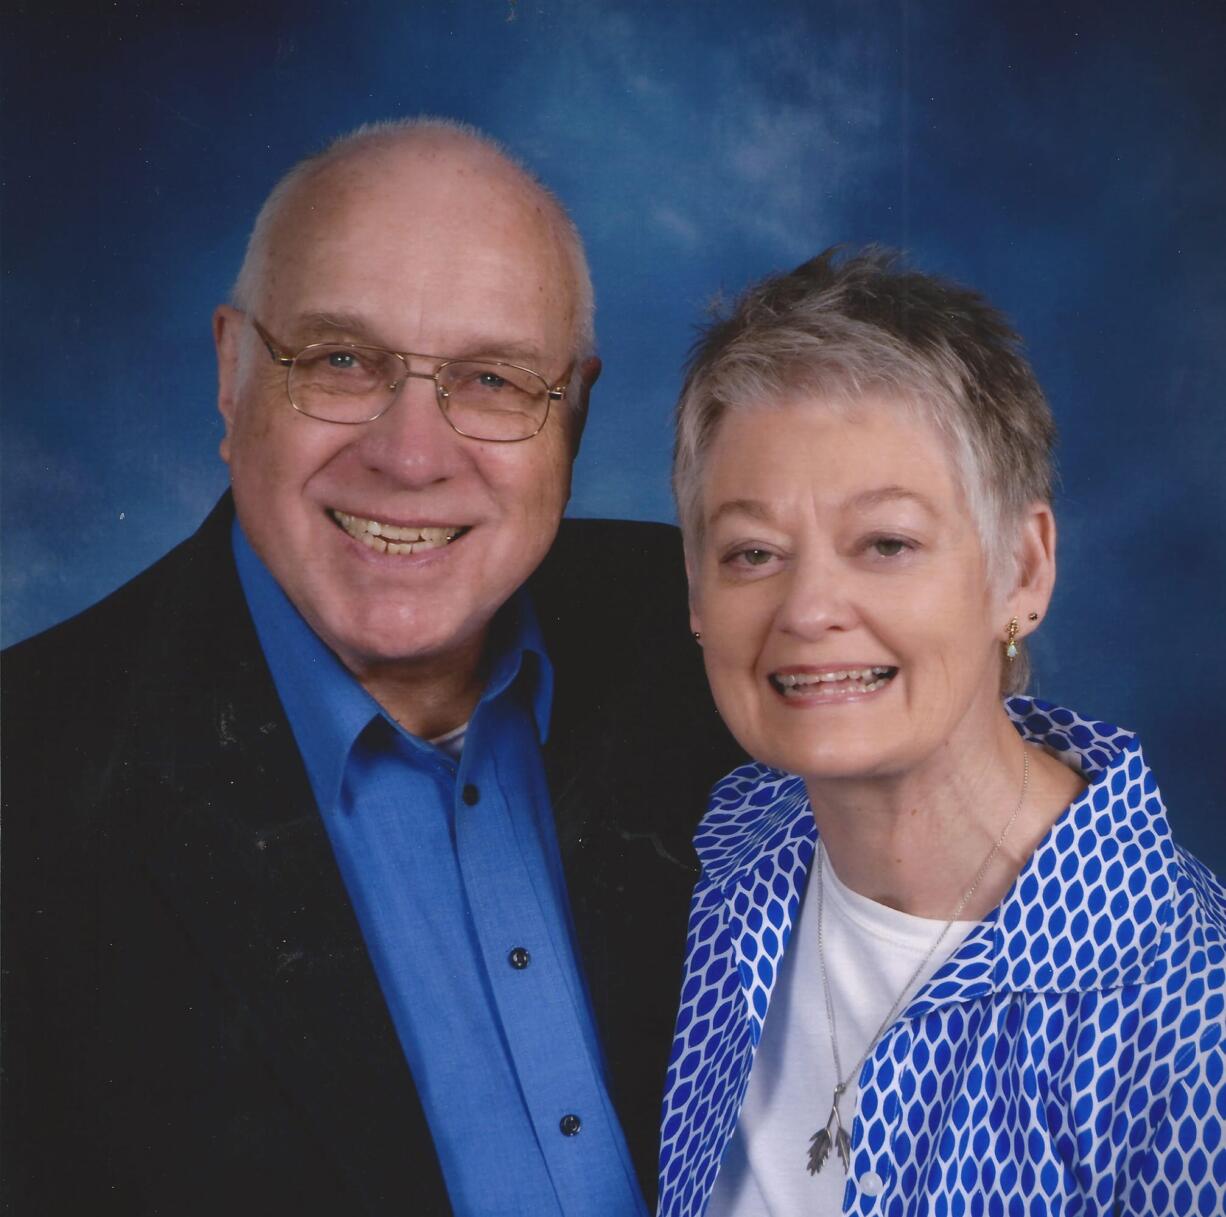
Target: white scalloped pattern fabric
pixel 1068 1059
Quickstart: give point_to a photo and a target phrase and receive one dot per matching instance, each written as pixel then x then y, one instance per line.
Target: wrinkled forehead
pixel 853 407
pixel 851 403
pixel 852 400
pixel 384 221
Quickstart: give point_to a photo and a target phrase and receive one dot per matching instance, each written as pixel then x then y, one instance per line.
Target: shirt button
pixel 570 1125
pixel 519 958
pixel 470 794
pixel 871 1183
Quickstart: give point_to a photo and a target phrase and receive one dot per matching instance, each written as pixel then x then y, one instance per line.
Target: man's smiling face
pixel 397 539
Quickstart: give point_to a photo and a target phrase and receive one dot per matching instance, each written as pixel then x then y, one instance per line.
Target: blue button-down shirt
pixel 454 873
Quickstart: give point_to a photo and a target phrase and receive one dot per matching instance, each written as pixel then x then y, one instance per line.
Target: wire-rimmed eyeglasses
pixel 348 383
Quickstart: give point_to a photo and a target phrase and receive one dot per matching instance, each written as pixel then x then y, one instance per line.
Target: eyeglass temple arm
pixel 286 361
pixel 278 355
pixel 558 392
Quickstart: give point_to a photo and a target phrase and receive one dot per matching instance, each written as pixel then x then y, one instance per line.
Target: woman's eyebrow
pixel 754 508
pixel 888 494
pixel 759 510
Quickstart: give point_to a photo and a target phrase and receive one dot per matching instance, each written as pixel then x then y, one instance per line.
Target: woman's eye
pixel 750 557
pixel 889 547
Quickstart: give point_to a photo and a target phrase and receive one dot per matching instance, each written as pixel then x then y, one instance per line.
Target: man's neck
pixel 429 699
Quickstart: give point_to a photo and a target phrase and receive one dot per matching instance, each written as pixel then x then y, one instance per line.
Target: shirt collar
pixel 1087 911
pixel 755 813
pixel 326 706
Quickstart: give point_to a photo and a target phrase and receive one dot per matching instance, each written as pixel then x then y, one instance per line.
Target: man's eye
pixel 342 360
pixel 491 380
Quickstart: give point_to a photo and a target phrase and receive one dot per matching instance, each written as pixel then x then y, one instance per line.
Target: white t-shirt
pixel 870 950
pixel 452 742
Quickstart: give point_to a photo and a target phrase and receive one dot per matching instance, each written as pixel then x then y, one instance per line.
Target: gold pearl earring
pixel 1011 642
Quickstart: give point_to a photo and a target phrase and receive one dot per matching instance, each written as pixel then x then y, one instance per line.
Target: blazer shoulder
pixel 102 696
pixel 99 646
pixel 604 549
pixel 600 568
pixel 95 638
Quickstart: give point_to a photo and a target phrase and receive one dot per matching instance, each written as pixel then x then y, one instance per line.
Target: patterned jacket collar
pixel 1054 931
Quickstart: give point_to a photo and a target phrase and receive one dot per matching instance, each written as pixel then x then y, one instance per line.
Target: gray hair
pixel 388 133
pixel 837 329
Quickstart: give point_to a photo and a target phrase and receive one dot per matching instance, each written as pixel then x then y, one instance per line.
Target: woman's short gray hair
pixel 840 327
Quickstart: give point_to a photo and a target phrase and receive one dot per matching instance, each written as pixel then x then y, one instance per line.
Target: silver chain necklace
pixel 833 1134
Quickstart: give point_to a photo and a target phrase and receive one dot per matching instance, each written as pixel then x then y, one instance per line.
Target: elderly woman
pixel 943 956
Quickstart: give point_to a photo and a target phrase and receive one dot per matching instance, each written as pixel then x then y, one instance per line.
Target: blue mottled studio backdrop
pixel 1068 159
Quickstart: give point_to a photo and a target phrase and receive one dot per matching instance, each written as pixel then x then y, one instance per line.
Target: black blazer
pixel 191 1021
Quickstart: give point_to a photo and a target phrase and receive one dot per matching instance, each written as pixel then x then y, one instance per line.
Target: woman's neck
pixel 915 841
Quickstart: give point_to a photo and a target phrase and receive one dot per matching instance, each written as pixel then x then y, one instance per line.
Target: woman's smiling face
pixel 842 592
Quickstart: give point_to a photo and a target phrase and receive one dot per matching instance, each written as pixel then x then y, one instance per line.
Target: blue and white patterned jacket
pixel 1068 1058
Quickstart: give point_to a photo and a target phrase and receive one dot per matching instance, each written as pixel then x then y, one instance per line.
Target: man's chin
pixel 381 646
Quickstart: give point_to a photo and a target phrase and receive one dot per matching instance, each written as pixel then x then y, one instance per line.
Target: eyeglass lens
pixel 485 400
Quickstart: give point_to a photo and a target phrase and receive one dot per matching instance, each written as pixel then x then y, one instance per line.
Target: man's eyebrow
pixel 329 325
pixel 314 327
pixel 492 347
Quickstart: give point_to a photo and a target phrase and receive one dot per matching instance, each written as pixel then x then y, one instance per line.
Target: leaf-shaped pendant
pixel 819 1150
pixel 842 1143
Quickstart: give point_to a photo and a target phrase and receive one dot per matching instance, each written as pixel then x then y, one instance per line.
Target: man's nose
pixel 818 597
pixel 411 441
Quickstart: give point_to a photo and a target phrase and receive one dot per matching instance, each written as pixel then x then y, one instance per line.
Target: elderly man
pixel 346 850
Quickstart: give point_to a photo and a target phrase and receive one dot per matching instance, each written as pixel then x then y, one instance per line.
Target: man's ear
pixel 227 326
pixel 589 374
pixel 1035 573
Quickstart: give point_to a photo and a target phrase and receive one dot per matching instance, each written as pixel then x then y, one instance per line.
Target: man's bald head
pixel 315 182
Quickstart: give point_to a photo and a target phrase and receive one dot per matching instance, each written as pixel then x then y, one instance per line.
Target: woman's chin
pixel 832 761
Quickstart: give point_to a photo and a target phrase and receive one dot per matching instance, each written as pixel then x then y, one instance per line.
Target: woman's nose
pixel 818 598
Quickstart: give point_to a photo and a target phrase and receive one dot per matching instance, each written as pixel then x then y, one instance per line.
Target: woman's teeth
pixel 394 539
pixel 827 684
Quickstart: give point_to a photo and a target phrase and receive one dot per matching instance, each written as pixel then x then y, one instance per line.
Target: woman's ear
pixel 691 574
pixel 1034 574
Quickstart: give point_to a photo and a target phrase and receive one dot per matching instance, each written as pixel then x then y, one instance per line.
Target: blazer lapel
pixel 237 847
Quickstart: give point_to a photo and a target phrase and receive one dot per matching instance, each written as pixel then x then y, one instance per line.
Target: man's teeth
pixel 861 680
pixel 392 538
